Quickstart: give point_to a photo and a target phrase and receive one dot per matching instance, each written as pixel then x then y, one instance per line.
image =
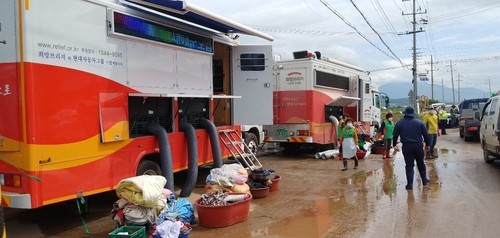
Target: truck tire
pixel 460 132
pixel 487 156
pixel 252 143
pixel 148 167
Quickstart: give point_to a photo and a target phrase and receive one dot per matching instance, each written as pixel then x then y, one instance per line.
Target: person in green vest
pixel 349 143
pixel 387 131
pixel 453 113
pixel 443 119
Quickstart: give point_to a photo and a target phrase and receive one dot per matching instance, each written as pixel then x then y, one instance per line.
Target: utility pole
pixel 452 84
pixel 442 88
pixel 489 84
pixel 432 78
pixel 432 81
pixel 414 32
pixel 459 99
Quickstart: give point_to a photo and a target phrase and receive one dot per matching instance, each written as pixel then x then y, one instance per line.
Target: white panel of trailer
pixel 74 39
pixel 151 69
pixel 255 88
pixel 194 73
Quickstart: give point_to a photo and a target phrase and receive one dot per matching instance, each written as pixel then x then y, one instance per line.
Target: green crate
pixel 133 232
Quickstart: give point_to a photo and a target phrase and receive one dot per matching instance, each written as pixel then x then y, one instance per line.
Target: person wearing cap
pixel 443 119
pixel 453 116
pixel 412 131
pixel 430 120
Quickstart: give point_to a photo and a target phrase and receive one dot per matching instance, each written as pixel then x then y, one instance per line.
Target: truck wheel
pixel 487 156
pixel 461 132
pixel 252 143
pixel 147 167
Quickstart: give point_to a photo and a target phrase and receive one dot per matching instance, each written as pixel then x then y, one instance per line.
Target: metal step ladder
pixel 232 140
pixel 361 129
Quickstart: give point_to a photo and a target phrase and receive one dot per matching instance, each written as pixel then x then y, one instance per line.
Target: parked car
pixel 489 132
pixel 469 117
pixel 447 108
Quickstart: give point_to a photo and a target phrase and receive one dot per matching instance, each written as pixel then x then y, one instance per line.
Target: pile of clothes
pixel 143 200
pixel 261 178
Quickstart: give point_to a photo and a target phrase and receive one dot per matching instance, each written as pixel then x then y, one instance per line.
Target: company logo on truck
pixel 294 78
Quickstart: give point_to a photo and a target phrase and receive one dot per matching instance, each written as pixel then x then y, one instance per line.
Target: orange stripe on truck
pixel 297 139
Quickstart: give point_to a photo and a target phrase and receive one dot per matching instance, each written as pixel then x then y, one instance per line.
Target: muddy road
pixel 317 199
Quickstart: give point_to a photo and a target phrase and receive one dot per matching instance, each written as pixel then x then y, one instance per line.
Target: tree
pixel 433 101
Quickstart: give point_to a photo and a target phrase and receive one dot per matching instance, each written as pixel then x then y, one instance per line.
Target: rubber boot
pixel 388 154
pixel 384 155
pixel 345 165
pixel 355 162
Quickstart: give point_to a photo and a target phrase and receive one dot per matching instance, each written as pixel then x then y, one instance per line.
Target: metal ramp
pixel 232 140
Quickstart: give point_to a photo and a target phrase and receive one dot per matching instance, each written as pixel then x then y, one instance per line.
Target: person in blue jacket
pixel 412 130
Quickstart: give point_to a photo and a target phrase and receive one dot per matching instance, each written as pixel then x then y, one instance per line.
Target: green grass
pixel 395 112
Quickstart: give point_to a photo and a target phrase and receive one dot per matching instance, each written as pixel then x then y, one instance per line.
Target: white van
pixel 489 132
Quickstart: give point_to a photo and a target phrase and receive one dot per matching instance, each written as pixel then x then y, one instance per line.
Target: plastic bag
pixel 226 175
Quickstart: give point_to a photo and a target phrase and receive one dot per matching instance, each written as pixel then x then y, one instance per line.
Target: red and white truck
pixel 309 89
pixel 81 81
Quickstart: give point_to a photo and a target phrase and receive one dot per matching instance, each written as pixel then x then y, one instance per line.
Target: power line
pixel 373 29
pixel 402 44
pixel 314 11
pixel 350 25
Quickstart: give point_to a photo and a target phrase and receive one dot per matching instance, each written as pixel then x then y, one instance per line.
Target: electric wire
pixel 314 11
pixel 388 24
pixel 373 29
pixel 350 25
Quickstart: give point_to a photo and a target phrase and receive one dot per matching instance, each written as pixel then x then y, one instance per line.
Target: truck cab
pixel 469 117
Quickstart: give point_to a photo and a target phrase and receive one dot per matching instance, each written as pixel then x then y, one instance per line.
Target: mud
pixel 317 199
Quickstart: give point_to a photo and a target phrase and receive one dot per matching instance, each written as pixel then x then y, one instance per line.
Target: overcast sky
pixel 465 32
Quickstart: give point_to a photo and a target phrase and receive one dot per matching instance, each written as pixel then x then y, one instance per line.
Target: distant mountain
pixel 401 90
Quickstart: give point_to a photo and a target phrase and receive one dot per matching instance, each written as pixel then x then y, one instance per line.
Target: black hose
pixel 214 141
pixel 192 144
pixel 167 170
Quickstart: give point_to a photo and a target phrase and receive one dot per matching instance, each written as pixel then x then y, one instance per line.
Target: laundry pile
pixel 143 201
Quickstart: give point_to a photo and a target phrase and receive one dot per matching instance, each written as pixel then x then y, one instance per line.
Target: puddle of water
pixel 364 197
pixel 446 151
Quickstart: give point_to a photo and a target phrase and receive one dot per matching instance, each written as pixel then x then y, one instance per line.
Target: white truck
pixel 309 90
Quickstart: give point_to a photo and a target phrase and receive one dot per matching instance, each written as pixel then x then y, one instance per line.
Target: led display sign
pixel 133 26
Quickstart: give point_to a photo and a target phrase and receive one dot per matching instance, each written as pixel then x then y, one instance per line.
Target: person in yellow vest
pixel 431 122
pixel 387 131
pixel 349 143
pixel 443 119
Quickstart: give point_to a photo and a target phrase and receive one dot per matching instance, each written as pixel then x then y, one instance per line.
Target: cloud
pixel 458 31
